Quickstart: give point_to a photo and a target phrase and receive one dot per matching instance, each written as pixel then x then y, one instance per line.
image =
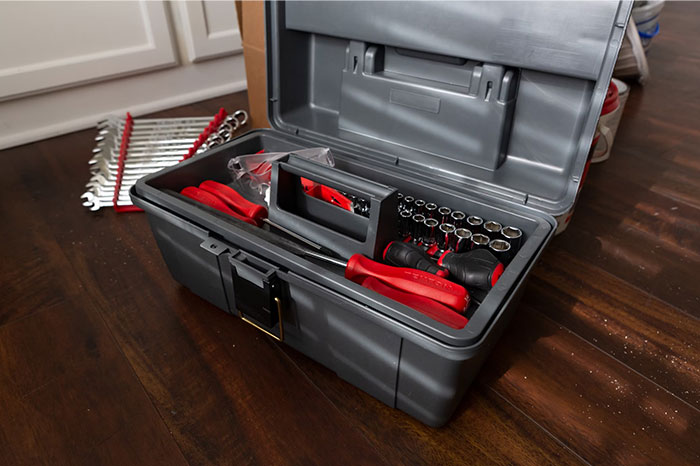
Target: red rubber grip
pixel 497 272
pixel 127 208
pixel 123 149
pixel 409 280
pixel 311 188
pixel 430 308
pixel 214 202
pixel 333 196
pixel 213 124
pixel 234 200
pixel 330 195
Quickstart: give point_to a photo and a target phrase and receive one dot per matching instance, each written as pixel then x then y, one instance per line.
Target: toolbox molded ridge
pixel 500 137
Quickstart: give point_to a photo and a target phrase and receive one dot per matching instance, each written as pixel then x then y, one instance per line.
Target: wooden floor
pixel 104 359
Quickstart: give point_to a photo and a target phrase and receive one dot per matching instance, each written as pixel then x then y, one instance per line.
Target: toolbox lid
pixel 499 98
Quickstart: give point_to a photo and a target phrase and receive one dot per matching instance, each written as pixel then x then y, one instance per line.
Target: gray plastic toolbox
pixel 489 108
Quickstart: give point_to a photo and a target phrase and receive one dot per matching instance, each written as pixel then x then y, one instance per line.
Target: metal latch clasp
pixel 279 337
pixel 257 293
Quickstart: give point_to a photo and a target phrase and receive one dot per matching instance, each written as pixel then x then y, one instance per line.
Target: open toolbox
pixel 485 108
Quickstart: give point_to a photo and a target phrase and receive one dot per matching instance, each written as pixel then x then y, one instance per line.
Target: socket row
pixel 441 229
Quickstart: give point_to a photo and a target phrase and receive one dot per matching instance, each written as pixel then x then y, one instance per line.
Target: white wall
pixel 66 65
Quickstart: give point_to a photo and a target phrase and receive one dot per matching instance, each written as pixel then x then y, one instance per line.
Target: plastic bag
pixel 251 173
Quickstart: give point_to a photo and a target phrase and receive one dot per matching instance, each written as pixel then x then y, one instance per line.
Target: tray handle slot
pixel 337 229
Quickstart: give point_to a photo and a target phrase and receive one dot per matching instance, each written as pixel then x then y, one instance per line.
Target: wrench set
pixel 441 229
pixel 127 149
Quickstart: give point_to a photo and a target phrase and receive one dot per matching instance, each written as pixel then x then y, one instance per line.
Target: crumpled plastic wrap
pixel 251 172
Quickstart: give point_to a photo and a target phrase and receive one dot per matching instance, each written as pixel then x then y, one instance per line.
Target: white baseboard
pixel 47 115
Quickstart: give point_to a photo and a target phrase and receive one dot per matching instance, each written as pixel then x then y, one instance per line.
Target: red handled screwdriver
pixel 409 280
pixel 477 269
pixel 225 199
pixel 235 200
pixel 411 255
pixel 430 308
pixel 214 201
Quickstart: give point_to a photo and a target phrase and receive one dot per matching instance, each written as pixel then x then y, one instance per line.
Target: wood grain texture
pixel 626 322
pixel 104 359
pixel 598 407
pixel 67 391
pixel 485 430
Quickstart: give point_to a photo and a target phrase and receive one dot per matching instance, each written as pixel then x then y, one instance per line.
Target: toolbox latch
pixel 257 295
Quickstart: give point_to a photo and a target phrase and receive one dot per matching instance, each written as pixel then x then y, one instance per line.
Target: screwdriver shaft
pixel 323 257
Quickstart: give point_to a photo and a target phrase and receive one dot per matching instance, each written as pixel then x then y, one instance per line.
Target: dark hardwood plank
pixel 485 429
pixel 602 410
pixel 66 387
pixel 641 229
pixel 648 335
pixel 639 212
pixel 23 265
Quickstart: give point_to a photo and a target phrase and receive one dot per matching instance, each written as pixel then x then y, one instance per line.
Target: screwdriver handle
pixel 234 200
pixel 409 280
pixel 323 192
pixel 476 269
pixel 213 201
pixel 411 255
pixel 430 308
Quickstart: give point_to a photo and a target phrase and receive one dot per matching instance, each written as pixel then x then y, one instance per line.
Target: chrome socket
pixel 475 224
pixel 458 217
pixel 430 232
pixel 464 240
pixel 405 224
pixel 480 241
pixel 418 228
pixel 492 229
pixel 501 249
pixel 419 206
pixel 408 204
pixel 514 236
pixel 446 239
pixel 430 210
pixel 444 215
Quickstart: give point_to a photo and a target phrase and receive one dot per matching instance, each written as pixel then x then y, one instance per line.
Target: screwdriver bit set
pixel 127 149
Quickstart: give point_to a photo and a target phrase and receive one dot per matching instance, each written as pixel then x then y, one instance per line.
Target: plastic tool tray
pixel 485 108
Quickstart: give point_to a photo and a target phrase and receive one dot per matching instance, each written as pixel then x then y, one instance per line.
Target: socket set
pixel 128 149
pixel 440 229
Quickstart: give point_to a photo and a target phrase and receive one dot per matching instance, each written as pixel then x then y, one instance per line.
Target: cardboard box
pixel 251 21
